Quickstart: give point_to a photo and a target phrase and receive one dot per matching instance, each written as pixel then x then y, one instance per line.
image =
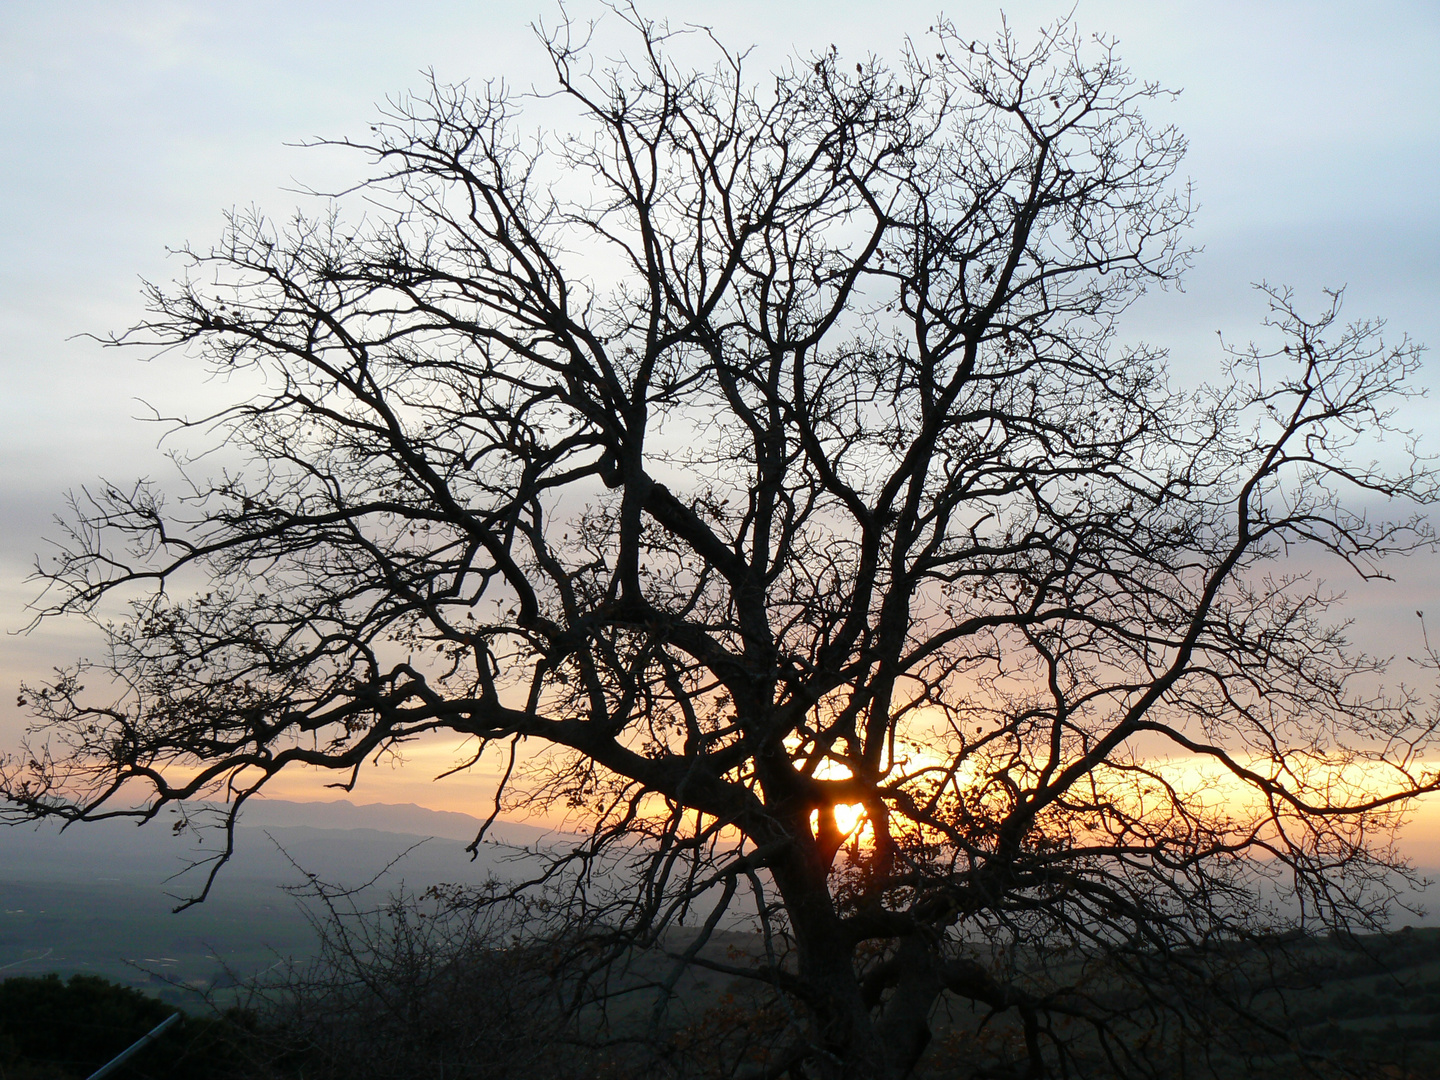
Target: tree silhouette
pixel 759 468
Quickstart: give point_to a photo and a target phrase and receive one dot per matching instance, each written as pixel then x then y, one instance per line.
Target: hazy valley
pixel 99 898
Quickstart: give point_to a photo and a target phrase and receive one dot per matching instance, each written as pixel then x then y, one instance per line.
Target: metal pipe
pixel 139 1044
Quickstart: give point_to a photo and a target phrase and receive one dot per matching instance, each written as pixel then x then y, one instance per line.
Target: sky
pixel 128 127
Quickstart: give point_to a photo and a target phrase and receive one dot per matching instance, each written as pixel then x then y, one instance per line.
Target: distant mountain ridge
pixel 407 819
pixel 276 839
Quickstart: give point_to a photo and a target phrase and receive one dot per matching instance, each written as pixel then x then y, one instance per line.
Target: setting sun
pixel 850 819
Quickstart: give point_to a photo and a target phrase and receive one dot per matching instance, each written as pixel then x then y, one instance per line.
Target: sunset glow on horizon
pixel 410 778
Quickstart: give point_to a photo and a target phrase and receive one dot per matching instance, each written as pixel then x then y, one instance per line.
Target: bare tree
pixel 410 986
pixel 759 460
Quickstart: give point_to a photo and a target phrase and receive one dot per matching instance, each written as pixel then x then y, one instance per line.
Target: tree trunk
pixel 848 1043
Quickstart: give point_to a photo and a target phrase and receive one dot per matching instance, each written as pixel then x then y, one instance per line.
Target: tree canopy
pixel 760 469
